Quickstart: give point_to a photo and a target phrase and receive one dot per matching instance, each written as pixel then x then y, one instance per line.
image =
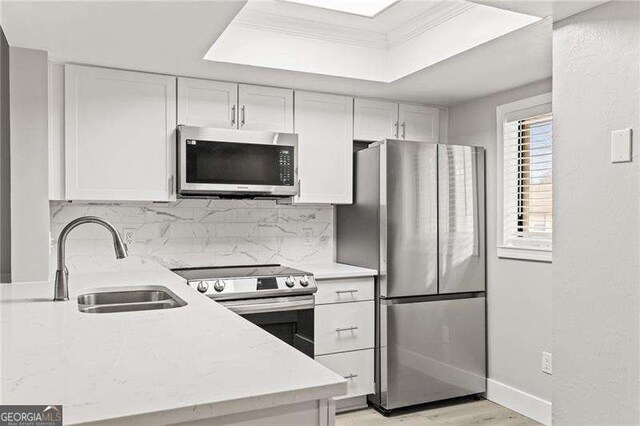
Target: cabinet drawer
pixel 344 290
pixel 344 327
pixel 356 367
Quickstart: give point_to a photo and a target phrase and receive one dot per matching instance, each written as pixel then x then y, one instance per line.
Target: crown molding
pixel 426 21
pixel 308 28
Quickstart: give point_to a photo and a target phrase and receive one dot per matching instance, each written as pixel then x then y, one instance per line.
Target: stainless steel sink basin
pixel 128 299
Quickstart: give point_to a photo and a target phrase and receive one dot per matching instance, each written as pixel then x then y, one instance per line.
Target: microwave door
pixel 212 166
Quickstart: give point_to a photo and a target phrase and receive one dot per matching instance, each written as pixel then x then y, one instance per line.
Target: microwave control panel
pixel 286 165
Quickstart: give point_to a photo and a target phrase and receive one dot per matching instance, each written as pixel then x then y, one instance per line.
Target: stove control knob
pixel 304 281
pixel 289 282
pixel 219 286
pixel 203 286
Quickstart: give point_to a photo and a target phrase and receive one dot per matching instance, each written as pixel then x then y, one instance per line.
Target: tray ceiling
pixel 406 37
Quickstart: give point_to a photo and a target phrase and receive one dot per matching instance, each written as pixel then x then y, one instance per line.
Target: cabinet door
pixel 357 367
pixel 266 108
pixel 375 120
pixel 418 123
pixel 119 135
pixel 324 124
pixel 207 103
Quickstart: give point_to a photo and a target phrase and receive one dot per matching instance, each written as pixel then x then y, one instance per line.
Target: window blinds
pixel 528 185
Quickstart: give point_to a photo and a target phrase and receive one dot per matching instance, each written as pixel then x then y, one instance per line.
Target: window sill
pixel 525 253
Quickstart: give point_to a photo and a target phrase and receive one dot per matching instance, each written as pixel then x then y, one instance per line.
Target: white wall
pixel 518 292
pixel 29 165
pixel 5 166
pixel 596 80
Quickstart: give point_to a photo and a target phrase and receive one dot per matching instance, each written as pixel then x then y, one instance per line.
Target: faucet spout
pixel 61 286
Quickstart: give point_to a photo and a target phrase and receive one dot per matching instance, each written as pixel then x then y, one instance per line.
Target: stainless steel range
pixel 276 298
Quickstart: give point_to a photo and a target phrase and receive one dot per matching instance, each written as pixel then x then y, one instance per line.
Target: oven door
pixel 237 162
pixel 288 318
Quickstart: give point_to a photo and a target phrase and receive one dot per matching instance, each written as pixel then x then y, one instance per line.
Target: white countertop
pixel 327 271
pixel 192 362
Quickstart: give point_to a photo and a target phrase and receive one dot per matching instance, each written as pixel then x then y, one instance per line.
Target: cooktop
pixel 248 281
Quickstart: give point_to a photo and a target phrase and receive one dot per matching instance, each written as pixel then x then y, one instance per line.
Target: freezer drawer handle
pixel 350 376
pixel 352 328
pixel 346 291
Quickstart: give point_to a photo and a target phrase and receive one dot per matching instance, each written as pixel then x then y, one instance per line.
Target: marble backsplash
pixel 195 233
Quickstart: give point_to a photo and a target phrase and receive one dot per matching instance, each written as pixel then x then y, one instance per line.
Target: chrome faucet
pixel 61 289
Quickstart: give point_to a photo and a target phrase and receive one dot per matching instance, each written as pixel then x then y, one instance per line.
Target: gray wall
pixel 519 292
pixel 596 78
pixel 5 170
pixel 29 165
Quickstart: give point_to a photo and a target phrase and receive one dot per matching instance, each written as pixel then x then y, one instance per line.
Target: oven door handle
pixel 277 304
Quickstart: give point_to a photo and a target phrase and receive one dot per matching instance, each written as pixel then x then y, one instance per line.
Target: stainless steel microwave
pixel 236 163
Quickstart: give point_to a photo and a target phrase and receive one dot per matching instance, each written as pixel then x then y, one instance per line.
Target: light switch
pixel 621 146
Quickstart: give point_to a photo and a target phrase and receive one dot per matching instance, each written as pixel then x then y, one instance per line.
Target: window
pixel 525 185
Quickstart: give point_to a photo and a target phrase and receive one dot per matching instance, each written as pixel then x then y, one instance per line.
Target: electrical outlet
pixel 129 236
pixel 546 363
pixel 307 236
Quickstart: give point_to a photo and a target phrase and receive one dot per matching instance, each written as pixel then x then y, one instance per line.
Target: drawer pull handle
pixel 350 376
pixel 352 328
pixel 346 291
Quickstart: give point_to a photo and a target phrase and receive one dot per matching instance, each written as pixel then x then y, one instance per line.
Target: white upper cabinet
pixel 375 120
pixel 324 124
pixel 119 135
pixel 418 123
pixel 207 103
pixel 265 108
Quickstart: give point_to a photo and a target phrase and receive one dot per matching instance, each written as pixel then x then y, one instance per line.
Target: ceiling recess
pixel 368 8
pixel 406 37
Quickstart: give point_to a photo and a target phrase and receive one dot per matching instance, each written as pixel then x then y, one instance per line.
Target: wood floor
pixel 465 412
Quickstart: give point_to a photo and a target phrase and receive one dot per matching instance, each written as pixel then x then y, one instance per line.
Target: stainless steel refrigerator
pixel 419 218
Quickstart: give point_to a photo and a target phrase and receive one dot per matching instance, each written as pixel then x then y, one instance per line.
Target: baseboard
pixel 350 404
pixel 521 402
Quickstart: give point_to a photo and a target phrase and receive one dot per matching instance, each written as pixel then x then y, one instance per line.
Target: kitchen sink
pixel 128 299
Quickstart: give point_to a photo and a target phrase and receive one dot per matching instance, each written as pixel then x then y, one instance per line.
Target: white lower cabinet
pixel 345 290
pixel 344 327
pixel 344 334
pixel 356 367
